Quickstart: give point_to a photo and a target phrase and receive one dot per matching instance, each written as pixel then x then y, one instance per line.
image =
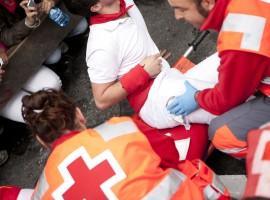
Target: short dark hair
pixel 80 7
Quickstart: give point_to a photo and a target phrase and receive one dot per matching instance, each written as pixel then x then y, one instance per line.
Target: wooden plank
pixel 28 57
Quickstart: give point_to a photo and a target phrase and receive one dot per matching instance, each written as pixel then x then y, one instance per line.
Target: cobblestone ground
pixel 24 166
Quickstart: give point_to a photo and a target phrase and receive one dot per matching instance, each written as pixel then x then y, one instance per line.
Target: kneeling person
pixel 111 161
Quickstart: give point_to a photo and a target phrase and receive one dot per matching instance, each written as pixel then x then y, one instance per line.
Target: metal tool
pixel 184 64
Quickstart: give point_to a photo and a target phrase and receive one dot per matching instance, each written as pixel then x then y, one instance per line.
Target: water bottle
pixel 59 17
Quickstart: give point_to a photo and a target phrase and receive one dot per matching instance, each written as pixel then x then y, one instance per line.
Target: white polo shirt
pixel 117 46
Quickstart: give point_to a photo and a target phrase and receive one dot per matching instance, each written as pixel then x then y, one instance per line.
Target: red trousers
pixel 165 147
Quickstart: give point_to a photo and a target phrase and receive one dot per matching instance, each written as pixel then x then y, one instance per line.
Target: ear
pixel 80 117
pixel 96 8
pixel 208 5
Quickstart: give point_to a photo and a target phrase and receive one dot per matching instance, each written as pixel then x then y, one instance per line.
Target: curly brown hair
pixel 48 113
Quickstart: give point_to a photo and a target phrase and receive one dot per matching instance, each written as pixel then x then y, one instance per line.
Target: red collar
pixel 99 19
pixel 63 138
pixel 215 18
pixel 9 5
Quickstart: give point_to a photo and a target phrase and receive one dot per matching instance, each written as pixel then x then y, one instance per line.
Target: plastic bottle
pixel 59 17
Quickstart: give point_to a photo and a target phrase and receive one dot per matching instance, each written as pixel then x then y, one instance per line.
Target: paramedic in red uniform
pixel 111 161
pixel 244 49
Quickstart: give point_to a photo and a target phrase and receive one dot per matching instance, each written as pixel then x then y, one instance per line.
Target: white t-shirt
pixel 117 46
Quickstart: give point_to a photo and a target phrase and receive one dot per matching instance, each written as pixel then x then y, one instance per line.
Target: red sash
pixel 103 18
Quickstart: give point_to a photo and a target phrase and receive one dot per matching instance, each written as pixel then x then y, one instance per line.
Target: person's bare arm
pixel 109 94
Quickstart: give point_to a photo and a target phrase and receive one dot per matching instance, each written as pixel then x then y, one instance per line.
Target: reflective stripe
pixel 111 131
pixel 232 150
pixel 25 194
pixel 215 189
pixel 261 167
pixel 266 81
pixel 217 184
pixel 167 187
pixel 210 193
pixel 252 31
pixel 265 126
pixel 41 188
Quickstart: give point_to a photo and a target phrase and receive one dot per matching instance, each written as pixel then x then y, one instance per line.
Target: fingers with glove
pixel 184 104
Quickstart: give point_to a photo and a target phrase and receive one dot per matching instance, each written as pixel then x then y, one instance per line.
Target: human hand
pixel 46 5
pixel 184 104
pixel 152 65
pixel 31 13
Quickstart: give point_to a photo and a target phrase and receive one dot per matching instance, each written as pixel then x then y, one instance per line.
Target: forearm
pixel 112 95
pixel 213 101
pixel 240 74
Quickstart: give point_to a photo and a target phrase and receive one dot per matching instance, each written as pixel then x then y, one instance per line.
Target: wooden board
pixel 27 58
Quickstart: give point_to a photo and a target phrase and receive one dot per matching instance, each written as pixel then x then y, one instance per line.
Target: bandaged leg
pixel 170 83
pixel 168 143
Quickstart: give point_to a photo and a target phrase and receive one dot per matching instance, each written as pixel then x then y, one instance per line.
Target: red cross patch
pixel 88 178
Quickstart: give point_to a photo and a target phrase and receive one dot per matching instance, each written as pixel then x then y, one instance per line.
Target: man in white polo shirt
pixel 115 47
pixel 122 60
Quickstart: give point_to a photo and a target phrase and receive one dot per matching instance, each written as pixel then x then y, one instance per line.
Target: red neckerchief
pixel 9 5
pixel 215 19
pixel 63 138
pixel 99 19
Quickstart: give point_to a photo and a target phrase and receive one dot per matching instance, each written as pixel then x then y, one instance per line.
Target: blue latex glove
pixel 184 104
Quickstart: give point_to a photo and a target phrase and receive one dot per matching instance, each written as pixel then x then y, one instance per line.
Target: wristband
pixel 135 79
pixel 37 23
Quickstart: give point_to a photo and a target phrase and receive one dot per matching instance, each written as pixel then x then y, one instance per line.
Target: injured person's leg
pixel 170 83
